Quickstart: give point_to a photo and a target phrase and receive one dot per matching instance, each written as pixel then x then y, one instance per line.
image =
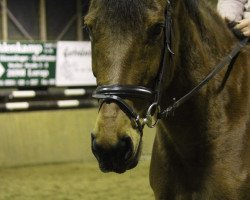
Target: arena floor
pixel 78 181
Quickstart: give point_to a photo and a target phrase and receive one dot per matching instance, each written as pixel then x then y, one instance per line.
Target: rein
pixel 118 93
pixel 226 60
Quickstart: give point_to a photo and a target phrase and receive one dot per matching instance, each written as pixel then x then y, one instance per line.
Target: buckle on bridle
pixel 152 112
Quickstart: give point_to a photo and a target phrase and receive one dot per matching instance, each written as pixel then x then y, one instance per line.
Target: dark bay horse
pixel 202 150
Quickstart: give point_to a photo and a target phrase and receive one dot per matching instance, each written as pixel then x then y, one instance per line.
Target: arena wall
pixel 31 138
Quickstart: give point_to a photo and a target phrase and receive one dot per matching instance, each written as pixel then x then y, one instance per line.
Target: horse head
pixel 131 53
pixel 127 46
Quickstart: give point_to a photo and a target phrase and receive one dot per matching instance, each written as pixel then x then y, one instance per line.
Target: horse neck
pixel 200 42
pixel 200 32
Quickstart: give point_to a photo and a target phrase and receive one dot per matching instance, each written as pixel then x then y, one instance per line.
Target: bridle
pixel 118 93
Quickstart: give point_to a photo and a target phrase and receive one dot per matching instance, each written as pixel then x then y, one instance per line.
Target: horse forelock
pixel 125 14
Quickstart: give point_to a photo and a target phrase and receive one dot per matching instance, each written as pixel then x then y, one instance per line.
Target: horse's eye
pixel 156 30
pixel 89 31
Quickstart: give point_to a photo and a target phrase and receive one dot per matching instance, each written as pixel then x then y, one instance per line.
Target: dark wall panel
pixel 59 13
pixel 26 12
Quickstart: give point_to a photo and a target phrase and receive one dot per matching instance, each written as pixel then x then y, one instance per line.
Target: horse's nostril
pixel 96 148
pixel 122 151
pixel 126 148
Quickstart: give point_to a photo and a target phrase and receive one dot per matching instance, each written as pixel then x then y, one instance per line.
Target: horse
pixel 146 51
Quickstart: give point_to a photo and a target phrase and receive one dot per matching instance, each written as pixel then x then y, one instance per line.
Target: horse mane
pixel 194 11
pixel 192 6
pixel 211 28
pixel 202 13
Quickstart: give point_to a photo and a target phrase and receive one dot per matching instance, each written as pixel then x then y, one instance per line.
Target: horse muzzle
pixel 118 158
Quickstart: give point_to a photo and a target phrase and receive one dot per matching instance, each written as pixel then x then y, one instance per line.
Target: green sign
pixel 27 64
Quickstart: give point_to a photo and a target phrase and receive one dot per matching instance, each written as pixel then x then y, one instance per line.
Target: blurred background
pixel 45 149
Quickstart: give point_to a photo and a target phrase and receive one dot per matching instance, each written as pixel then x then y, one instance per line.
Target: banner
pixel 73 66
pixel 27 64
pixel 24 64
